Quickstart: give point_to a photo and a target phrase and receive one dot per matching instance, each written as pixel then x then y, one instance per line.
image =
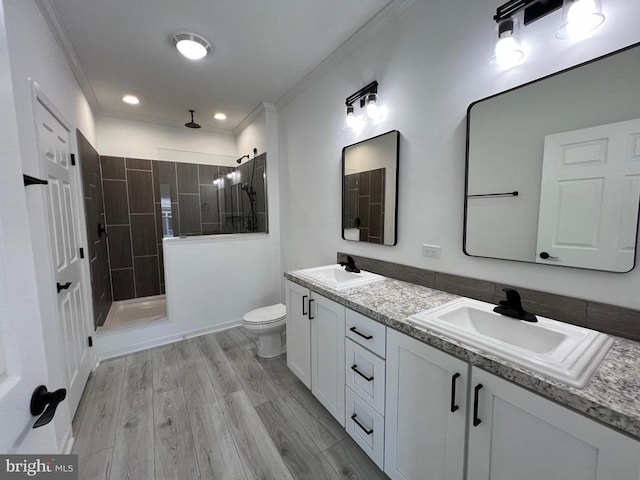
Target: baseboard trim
pixel 138 347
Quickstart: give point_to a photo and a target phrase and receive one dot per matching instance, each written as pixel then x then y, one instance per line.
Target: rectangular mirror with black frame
pixel 553 168
pixel 370 189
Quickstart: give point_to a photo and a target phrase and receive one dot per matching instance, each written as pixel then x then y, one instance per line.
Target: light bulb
pixel 580 17
pixel 508 52
pixel 372 106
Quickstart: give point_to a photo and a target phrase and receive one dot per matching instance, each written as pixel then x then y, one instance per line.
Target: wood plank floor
pixel 209 408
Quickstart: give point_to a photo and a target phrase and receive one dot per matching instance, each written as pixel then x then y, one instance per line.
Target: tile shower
pixel 364 204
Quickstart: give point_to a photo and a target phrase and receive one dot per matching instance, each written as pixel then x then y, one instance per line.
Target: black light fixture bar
pixel 360 94
pixel 533 9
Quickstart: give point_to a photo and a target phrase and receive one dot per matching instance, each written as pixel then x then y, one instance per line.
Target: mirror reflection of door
pixel 369 190
pixel 589 196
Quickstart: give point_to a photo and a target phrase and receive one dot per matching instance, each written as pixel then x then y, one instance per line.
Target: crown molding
pixel 364 33
pixel 159 121
pixel 53 21
pixel 261 108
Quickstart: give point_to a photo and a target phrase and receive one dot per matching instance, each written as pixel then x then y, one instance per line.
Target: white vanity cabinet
pixel 518 435
pixel 315 345
pixel 426 405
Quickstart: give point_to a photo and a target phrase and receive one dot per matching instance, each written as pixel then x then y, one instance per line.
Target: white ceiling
pixel 262 48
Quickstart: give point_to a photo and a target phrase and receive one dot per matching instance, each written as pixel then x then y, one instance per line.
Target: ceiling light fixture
pixel 220 116
pixel 192 124
pixel 131 99
pixel 192 46
pixel 368 97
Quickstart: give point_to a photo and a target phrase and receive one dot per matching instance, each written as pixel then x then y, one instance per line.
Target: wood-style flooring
pixel 209 408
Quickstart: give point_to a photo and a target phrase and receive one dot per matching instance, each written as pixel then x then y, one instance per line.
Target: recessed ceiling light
pixel 131 99
pixel 220 116
pixel 192 46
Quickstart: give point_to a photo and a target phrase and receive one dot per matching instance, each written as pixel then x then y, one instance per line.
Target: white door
pixel 426 407
pixel 522 436
pixel 298 332
pixel 327 354
pixel 22 360
pixel 589 197
pixel 54 148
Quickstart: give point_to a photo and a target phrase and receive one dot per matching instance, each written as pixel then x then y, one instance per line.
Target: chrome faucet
pixel 350 265
pixel 512 307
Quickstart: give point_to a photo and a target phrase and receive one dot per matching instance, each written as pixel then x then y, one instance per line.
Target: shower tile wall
pixel 96 251
pixel 364 204
pixel 130 208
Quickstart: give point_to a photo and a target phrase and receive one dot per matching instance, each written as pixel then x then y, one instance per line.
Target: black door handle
pixel 366 337
pixel 476 420
pixel 62 287
pixel 355 369
pixel 310 317
pixel 42 398
pixel 303 312
pixel 366 430
pixel 455 377
pixel 102 230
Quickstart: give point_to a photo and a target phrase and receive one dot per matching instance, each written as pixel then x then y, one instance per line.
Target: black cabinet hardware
pixel 476 391
pixel 366 430
pixel 503 194
pixel 102 230
pixel 81 252
pixel 41 399
pixel 90 341
pixel 310 317
pixel 455 377
pixel 366 337
pixel 73 160
pixel 546 256
pixel 62 287
pixel 355 369
pixel 303 312
pixel 29 180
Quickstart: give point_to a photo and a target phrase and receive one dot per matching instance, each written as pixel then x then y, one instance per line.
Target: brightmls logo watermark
pixel 50 467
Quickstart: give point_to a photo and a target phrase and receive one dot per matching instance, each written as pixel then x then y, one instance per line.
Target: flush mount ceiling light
pixel 220 116
pixel 368 97
pixel 192 46
pixel 131 99
pixel 192 124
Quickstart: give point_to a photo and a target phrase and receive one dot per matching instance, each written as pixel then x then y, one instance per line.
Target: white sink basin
pixel 336 277
pixel 566 353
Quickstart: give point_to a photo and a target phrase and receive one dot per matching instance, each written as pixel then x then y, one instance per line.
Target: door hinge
pixel 81 252
pixel 90 341
pixel 73 159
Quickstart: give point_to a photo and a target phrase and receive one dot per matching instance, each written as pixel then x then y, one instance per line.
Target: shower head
pixel 242 158
pixel 245 187
pixel 192 124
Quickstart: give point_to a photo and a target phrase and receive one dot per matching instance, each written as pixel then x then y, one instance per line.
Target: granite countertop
pixel 612 395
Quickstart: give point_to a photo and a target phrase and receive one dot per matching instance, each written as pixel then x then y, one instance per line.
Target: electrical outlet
pixel 431 251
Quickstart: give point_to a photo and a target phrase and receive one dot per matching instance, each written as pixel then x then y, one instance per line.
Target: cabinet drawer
pixel 365 426
pixel 365 374
pixel 367 332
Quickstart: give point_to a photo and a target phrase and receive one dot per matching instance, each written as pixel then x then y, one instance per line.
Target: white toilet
pixel 268 323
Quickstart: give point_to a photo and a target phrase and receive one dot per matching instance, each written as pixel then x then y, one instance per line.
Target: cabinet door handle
pixel 355 369
pixel 455 377
pixel 303 312
pixel 366 430
pixel 60 287
pixel 366 337
pixel 310 317
pixel 476 420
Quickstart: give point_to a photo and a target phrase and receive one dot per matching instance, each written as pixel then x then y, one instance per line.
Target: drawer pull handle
pixel 303 312
pixel 454 407
pixel 355 369
pixel 476 420
pixel 309 304
pixel 366 337
pixel 369 431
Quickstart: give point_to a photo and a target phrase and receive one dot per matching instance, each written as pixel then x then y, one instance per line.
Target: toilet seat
pixel 266 315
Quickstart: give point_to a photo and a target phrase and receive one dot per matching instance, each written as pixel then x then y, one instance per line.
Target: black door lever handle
pixel 62 287
pixel 42 399
pixel 102 230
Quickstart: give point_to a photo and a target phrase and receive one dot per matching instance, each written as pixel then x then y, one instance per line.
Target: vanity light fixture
pixel 192 46
pixel 131 99
pixel 368 97
pixel 579 18
pixel 507 50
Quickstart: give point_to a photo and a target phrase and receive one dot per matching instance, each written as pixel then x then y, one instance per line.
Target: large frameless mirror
pixel 553 168
pixel 370 189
